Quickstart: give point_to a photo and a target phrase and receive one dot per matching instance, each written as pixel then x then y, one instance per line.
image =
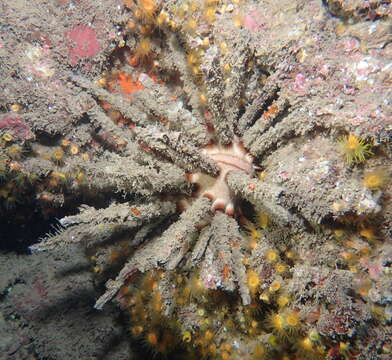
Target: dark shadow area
pixel 22 228
pixel 73 270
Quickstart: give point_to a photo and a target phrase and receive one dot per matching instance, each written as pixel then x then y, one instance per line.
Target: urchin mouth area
pixel 232 161
pixel 228 158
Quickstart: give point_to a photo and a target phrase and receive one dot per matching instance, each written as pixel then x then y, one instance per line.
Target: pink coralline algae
pixel 374 268
pixel 16 126
pixel 84 43
pixel 253 21
pixel 299 84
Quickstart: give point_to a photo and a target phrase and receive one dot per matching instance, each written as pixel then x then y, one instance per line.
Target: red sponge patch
pixel 84 43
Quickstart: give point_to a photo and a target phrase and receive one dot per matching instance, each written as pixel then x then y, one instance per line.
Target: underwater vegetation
pixel 230 212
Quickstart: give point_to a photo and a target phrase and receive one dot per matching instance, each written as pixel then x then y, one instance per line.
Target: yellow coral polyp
pixel 147 9
pixel 292 321
pixel 272 256
pixel 152 338
pixel 290 255
pixel 137 330
pixel 8 137
pixel 58 175
pixel 58 155
pixel 186 336
pixel 368 233
pixel 14 152
pixel 196 71
pixel 259 352
pixel 262 220
pixel 223 48
pixel 209 15
pixel 80 177
pixel 344 349
pixel 253 281
pixel 276 322
pixel 339 233
pixel 306 344
pixel 196 287
pixel 252 231
pixel 307 349
pixel 265 297
pixel 162 19
pixel 375 180
pixel 16 108
pixel 85 156
pixel 148 283
pixel 203 98
pixel 74 149
pixel 275 286
pixel 156 303
pixel 280 268
pixel 355 149
pixel 252 244
pixel 225 355
pixel 143 49
pixel 226 67
pixel 238 20
pixel 191 26
pixel 208 335
pixel 193 58
pixel 283 300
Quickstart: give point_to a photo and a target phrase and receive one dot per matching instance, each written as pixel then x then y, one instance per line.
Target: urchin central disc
pixel 228 158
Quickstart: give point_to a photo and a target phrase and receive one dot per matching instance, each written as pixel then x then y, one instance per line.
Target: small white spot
pixel 387 67
pixel 363 64
pixel 372 28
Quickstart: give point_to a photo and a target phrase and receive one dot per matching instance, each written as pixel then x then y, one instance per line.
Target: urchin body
pixel 228 158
